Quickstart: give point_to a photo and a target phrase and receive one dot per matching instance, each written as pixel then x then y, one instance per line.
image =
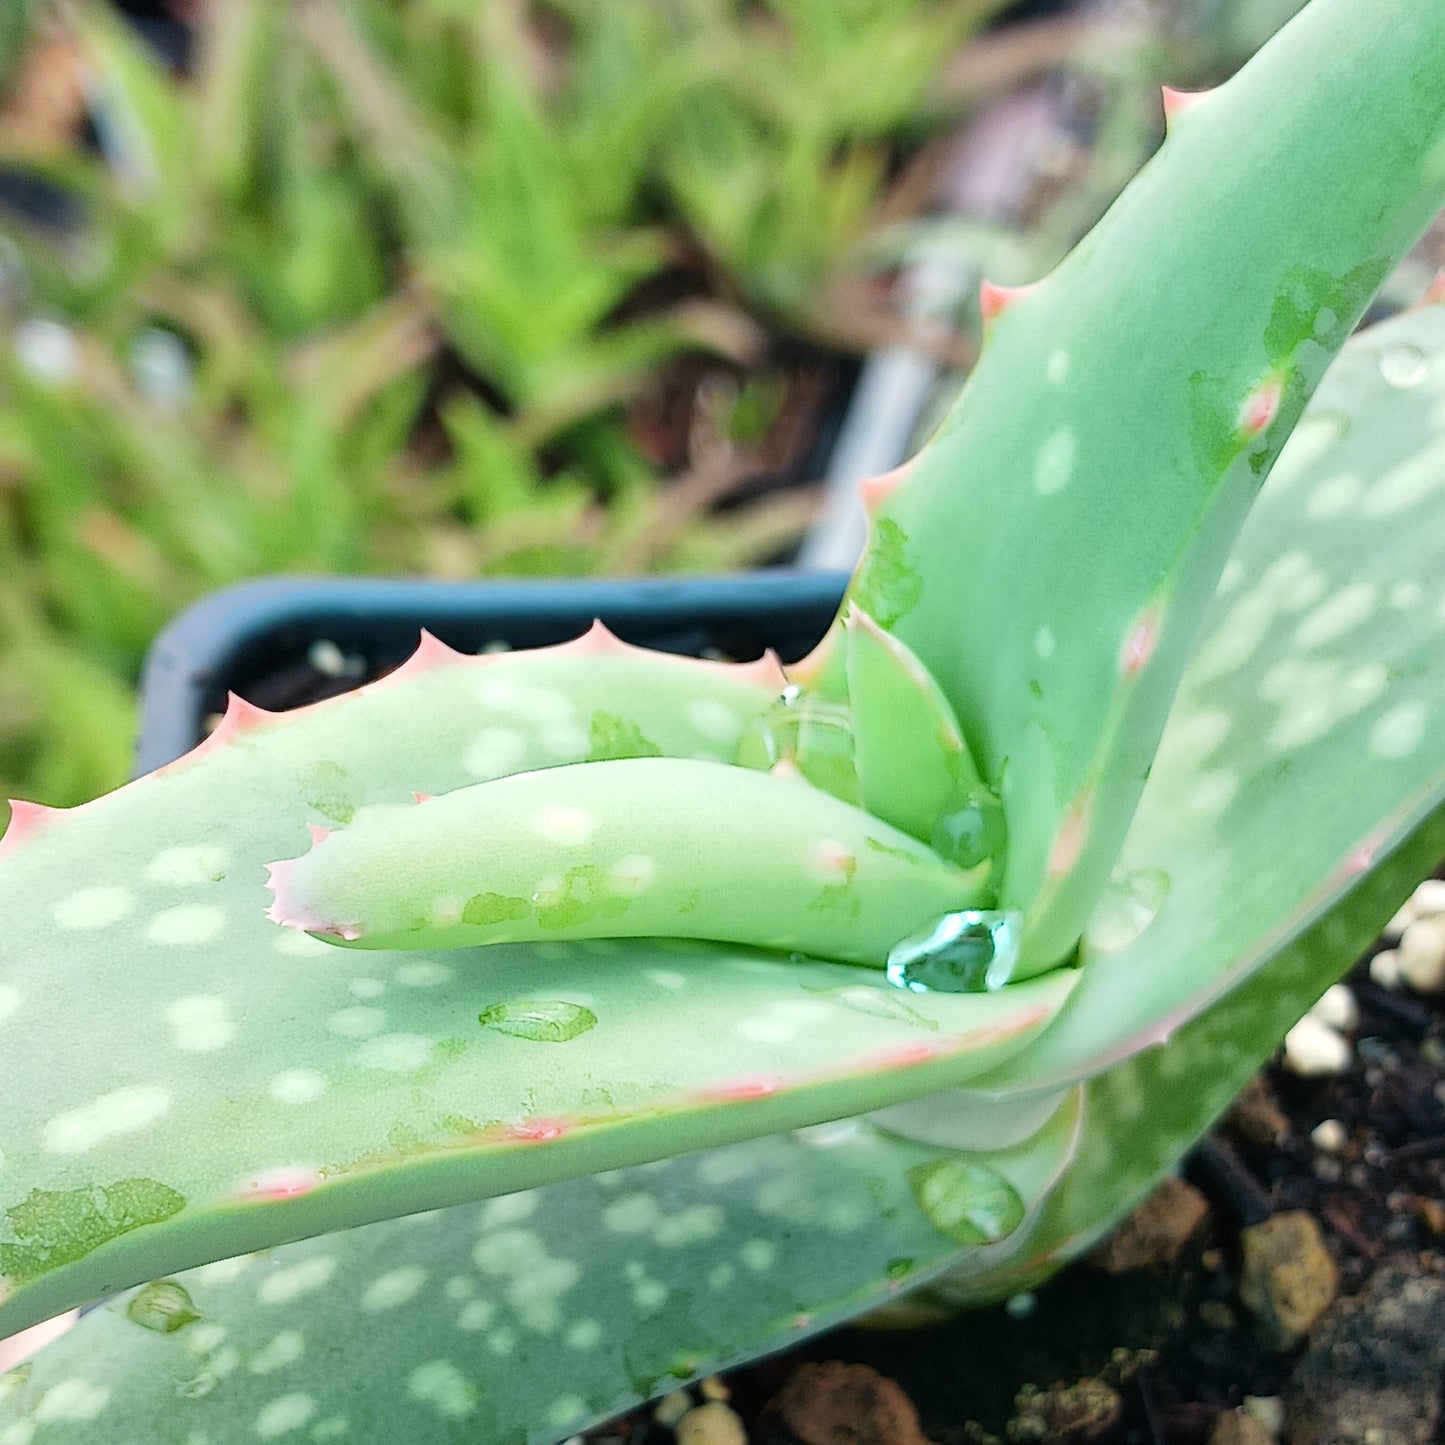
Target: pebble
pixel 1372 1372
pixel 1268 1410
pixel 712 1424
pixel 714 1388
pixel 1400 921
pixel 1312 1049
pixel 1385 968
pixel 1337 1008
pixel 1429 898
pixel 1329 1135
pixel 1288 1278
pixel 831 1403
pixel 1234 1427
pixel 1065 1412
pixel 1422 955
pixel 671 1408
pixel 1156 1231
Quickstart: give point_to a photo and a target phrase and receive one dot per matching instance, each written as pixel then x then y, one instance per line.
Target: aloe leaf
pixel 257 1085
pixel 533 1315
pixel 1051 551
pixel 1313 711
pixel 1142 1114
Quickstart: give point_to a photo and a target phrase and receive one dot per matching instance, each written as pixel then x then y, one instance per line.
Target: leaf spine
pixel 1176 102
pixel 26 819
pixel 994 300
pixel 875 491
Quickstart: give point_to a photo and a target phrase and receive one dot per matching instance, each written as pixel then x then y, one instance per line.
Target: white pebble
pixel 1329 1135
pixel 1422 955
pixel 711 1424
pixel 1428 899
pixel 1385 968
pixel 671 1408
pixel 1394 930
pixel 1268 1410
pixel 1337 1008
pixel 1312 1048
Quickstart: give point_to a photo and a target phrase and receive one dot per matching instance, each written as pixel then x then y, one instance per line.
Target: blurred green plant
pixel 381 287
pixel 437 288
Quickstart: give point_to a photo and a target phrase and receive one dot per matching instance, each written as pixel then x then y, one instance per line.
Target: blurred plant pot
pixel 284 642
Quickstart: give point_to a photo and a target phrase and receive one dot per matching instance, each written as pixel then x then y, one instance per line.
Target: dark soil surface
pixel 1169 1352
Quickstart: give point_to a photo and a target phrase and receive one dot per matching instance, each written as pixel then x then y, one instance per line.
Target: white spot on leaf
pixel 93 908
pixel 1054 466
pixel 122 1111
pixel 191 923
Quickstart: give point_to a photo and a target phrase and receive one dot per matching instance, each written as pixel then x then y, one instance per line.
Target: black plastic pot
pixel 260 640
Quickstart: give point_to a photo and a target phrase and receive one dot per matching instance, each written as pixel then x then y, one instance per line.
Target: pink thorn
pixel 289 1181
pixel 740 1090
pixel 318 833
pixel 1176 102
pixel 1260 407
pixel 1139 644
pixel 785 768
pixel 994 300
pixel 875 491
pixel 807 670
pixel 423 797
pixel 597 641
pixel 536 1131
pixel 26 819
pixel 766 670
pixel 1069 843
pixel 240 717
pixel 431 653
pixel 1435 291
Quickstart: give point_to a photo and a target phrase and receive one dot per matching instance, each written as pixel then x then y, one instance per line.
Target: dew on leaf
pixel 163 1306
pixel 1126 907
pixel 972 951
pixel 542 1020
pixel 967 1201
pixel 968 835
pixel 1404 366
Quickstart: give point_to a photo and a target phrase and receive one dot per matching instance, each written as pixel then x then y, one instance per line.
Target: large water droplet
pixel 968 835
pixel 1404 366
pixel 1126 907
pixel 543 1020
pixel 974 951
pixel 164 1307
pixel 967 1201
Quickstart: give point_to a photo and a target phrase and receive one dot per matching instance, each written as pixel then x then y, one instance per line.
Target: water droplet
pixel 164 1307
pixel 818 737
pixel 1404 366
pixel 974 951
pixel 966 1201
pixel 968 835
pixel 543 1020
pixel 1126 907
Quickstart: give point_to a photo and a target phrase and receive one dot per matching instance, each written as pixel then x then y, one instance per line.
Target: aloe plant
pixel 748 997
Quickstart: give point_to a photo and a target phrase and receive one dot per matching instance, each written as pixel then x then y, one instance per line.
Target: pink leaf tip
pixel 994 300
pixel 26 819
pixel 1176 102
